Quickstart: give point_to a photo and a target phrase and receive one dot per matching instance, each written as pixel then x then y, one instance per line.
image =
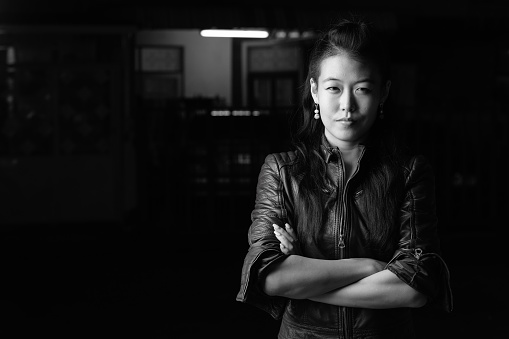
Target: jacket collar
pixel 327 150
pixel 330 152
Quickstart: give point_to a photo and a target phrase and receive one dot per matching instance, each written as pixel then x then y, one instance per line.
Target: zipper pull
pixel 417 253
pixel 341 242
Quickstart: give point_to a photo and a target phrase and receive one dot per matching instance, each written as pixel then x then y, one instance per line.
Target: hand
pixel 289 242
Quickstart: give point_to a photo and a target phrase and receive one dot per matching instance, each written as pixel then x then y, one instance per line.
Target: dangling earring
pixel 317 112
pixel 381 115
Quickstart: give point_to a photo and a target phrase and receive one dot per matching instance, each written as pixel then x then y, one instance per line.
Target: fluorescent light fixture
pixel 234 33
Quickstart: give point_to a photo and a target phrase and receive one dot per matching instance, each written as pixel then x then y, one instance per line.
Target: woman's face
pixel 349 93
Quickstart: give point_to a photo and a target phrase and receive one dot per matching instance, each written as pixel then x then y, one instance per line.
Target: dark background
pixel 166 263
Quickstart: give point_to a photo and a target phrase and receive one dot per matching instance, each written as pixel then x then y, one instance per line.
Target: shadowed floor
pixel 118 284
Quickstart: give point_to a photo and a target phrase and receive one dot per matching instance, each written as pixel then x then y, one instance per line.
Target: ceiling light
pixel 234 33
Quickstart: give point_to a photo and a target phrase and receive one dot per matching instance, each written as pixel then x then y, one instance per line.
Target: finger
pixel 278 228
pixel 285 235
pixel 291 231
pixel 281 230
pixel 284 249
pixel 284 240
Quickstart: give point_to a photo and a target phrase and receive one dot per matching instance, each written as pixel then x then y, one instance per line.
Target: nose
pixel 347 102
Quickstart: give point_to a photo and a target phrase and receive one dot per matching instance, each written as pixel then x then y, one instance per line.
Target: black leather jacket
pixel 416 261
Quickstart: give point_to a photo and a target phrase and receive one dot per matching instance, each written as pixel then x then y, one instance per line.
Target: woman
pixel 343 240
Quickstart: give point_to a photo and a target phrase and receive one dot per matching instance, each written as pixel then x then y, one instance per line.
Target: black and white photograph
pixel 254 169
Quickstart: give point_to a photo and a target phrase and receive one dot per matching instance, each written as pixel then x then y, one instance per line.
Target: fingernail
pixel 287 225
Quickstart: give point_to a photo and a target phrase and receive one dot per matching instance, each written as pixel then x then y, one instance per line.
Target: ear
pixel 314 89
pixel 385 92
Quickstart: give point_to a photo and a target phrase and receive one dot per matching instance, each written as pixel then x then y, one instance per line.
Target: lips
pixel 346 121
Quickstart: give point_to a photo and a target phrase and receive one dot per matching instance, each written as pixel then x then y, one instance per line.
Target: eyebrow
pixel 361 80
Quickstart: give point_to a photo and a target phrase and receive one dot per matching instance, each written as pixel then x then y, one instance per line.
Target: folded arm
pixel 413 274
pixel 357 284
pixel 380 290
pixel 298 277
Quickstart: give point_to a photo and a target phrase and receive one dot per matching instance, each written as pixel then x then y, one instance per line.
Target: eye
pixel 363 90
pixel 333 89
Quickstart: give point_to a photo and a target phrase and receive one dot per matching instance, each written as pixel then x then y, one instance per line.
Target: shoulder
pixel 416 161
pixel 275 169
pixel 281 159
pixel 416 168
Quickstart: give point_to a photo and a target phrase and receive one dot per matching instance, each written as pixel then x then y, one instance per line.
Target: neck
pixel 348 148
pixel 350 154
pixel 350 157
pixel 343 145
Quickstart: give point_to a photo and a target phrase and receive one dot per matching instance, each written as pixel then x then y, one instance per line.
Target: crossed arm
pixel 356 282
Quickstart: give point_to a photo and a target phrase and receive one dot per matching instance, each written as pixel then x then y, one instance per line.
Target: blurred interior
pixel 130 147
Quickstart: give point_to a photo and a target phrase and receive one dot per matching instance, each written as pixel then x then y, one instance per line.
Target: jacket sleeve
pixel 418 260
pixel 263 245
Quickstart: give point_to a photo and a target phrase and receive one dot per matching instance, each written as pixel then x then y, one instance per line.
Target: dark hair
pixel 360 41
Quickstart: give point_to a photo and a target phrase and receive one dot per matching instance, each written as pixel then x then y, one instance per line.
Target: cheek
pixel 329 104
pixel 370 107
pixel 370 114
pixel 370 121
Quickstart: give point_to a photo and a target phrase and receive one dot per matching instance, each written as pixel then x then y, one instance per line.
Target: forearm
pixel 299 277
pixel 379 291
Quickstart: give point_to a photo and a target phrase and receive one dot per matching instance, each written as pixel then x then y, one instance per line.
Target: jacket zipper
pixel 344 210
pixel 341 242
pixel 342 228
pixel 342 245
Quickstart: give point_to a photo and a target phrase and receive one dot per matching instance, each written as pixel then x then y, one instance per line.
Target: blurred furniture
pixel 63 115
